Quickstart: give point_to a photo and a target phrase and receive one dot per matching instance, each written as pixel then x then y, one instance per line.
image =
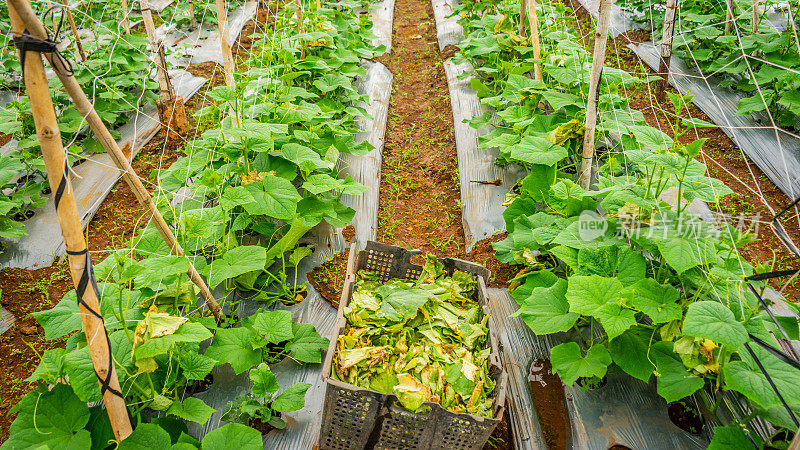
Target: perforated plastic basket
pixel 357 418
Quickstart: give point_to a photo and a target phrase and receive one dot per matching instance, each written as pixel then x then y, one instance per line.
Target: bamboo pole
pixel 126 24
pixel 156 47
pixel 522 15
pixel 728 15
pixel 534 24
pixel 795 445
pixel 666 48
pixel 225 43
pixel 49 136
pixel 598 58
pixel 34 26
pixel 191 14
pixel 756 16
pixel 71 20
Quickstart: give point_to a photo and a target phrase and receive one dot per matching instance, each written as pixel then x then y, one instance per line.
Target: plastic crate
pixel 357 418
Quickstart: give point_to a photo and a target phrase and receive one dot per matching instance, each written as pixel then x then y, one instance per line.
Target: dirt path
pixel 419 192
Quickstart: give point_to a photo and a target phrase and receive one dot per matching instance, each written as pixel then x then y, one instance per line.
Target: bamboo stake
pixel 225 42
pixel 55 161
pixel 728 15
pixel 537 52
pixel 84 106
pixel 74 29
pixel 666 48
pixel 598 58
pixel 191 14
pixel 125 22
pixel 155 46
pixel 522 15
pixel 795 445
pixel 756 16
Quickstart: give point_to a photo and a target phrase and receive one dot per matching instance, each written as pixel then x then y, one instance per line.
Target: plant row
pixel 646 287
pixel 763 64
pixel 262 174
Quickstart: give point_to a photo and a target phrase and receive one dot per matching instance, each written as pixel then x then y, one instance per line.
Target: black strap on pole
pixel 26 42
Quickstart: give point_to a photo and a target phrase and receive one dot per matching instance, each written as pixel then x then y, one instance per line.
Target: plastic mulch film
pixel 382 16
pixel 366 169
pixel 483 183
pixel 448 30
pixel 210 49
pixel 302 427
pixel 6 320
pixel 92 183
pixel 624 411
pixel 775 151
pixel 620 19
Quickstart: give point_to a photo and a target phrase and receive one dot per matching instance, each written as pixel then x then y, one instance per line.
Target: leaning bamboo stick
pixel 34 26
pixel 49 136
pixel 522 15
pixel 225 43
pixel 666 47
pixel 537 52
pixel 71 20
pixel 126 24
pixel 598 58
pixel 756 16
pixel 191 14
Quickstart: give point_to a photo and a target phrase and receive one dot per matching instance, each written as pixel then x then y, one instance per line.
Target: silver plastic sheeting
pixel 620 19
pixel 382 16
pixel 91 183
pixel 448 31
pixel 366 169
pixel 6 320
pixel 483 183
pixel 775 151
pixel 625 411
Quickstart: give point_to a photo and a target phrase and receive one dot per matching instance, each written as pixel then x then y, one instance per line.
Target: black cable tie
pixel 78 253
pixel 26 42
pixel 770 275
pixel 772 384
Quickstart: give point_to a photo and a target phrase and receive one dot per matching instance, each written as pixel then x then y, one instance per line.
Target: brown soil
pixel 117 219
pixel 328 278
pixel 724 159
pixel 684 418
pixel 547 392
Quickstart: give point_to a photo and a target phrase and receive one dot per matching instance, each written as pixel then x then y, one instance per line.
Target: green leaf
pixel 233 346
pixel 307 344
pixel 236 196
pixel 570 365
pixel 291 399
pixel 401 303
pixel 192 409
pixel 537 150
pixel 600 297
pixel 47 419
pixel 187 332
pixel 264 381
pixel 726 438
pixel 274 326
pixel 62 319
pixel 146 436
pixel 241 436
pixel 51 366
pixel 630 352
pixel 713 320
pixel 273 196
pixel 750 105
pixel 674 381
pixel 80 370
pixel 235 262
pixel 196 366
pixel 791 100
pixel 546 310
pixel 680 252
pixel 746 377
pixel 658 301
pixel 651 137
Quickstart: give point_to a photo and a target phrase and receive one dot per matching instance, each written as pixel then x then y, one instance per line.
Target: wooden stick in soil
pixel 598 58
pixel 225 43
pixel 522 15
pixel 156 47
pixel 728 15
pixel 34 26
pixel 49 136
pixel 666 48
pixel 191 14
pixel 537 52
pixel 756 16
pixel 72 26
pixel 126 24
